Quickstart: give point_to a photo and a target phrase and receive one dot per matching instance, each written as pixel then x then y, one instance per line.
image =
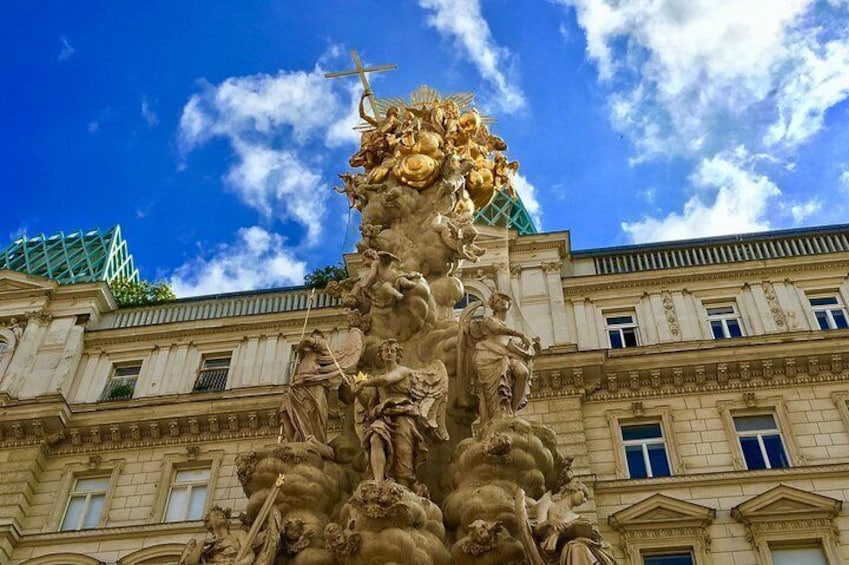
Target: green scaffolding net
pixel 504 212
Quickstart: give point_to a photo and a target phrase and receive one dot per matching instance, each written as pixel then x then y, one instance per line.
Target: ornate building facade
pixel 700 389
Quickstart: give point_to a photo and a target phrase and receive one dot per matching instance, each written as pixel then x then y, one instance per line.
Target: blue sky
pixel 207 130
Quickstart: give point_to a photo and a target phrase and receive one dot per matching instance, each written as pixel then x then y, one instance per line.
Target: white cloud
pixel 270 122
pixel 67 49
pixel 463 21
pixel 730 198
pixel 148 114
pixel 527 192
pixel 701 76
pixel 257 259
pixel 844 179
pixel 801 211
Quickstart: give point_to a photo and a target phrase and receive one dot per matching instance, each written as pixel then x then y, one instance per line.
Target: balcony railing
pixel 119 389
pixel 211 380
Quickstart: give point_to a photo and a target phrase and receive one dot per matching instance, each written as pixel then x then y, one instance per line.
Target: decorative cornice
pixel 589 284
pixel 103 534
pixel 604 487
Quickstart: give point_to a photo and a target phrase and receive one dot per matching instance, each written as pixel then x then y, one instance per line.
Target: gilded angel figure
pixel 398 407
pixel 493 363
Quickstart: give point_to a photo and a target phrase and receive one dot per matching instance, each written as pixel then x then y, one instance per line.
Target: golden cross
pixel 360 70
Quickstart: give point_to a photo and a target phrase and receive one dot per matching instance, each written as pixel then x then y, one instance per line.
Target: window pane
pixel 196 501
pixel 73 514
pixel 797 556
pixel 752 453
pixel 99 484
pixel 775 451
pixel 824 301
pixel 641 431
pixel 131 371
pixel 95 507
pixel 822 320
pixel 716 328
pixel 192 476
pixel 636 464
pixel 720 310
pixel 734 328
pixel 630 337
pixel 216 363
pixel 615 339
pixel 659 462
pixel 753 423
pixel 620 320
pixel 176 504
pixel 669 559
pixel 839 319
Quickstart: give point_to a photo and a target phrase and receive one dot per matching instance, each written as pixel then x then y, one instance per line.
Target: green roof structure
pixel 72 258
pixel 503 211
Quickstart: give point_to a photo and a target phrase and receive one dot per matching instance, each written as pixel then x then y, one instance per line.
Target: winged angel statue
pixel 492 363
pixel 396 409
pixel 319 369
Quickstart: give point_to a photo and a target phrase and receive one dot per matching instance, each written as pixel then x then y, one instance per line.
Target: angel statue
pixel 498 367
pixel 562 535
pixel 404 405
pixel 303 412
pixel 223 545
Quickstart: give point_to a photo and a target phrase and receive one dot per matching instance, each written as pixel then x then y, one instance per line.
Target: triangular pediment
pixel 661 511
pixel 14 282
pixel 786 503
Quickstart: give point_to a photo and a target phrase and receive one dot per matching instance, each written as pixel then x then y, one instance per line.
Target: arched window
pixel 467 299
pixel 63 559
pixel 4 347
pixel 165 554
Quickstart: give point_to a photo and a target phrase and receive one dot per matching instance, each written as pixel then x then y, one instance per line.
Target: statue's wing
pixel 470 334
pixel 526 536
pixel 349 352
pixel 430 389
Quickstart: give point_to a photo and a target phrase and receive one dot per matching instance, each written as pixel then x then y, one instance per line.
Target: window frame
pixel 798 544
pixel 70 474
pixel 189 485
pixel 637 414
pixel 108 388
pixel 752 407
pixel 644 443
pixel 203 370
pixel 723 319
pixel 87 495
pixel 171 464
pixel 609 328
pixel 828 309
pixel 759 435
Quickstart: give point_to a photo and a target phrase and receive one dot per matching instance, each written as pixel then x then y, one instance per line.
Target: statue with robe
pixel 498 367
pixel 318 370
pixel 221 547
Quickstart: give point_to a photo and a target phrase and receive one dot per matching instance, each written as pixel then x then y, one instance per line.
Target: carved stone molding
pixel 669 313
pixel 774 306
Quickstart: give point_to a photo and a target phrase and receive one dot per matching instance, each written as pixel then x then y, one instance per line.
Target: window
pixel 761 442
pixel 670 558
pixel 795 555
pixel 829 312
pixel 724 321
pixel 85 504
pixel 468 298
pixel 622 331
pixel 3 347
pixel 212 375
pixel 645 450
pixel 122 384
pixel 187 496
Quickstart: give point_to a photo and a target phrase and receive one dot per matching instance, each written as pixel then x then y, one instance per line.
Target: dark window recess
pixel 122 385
pixel 669 559
pixel 212 376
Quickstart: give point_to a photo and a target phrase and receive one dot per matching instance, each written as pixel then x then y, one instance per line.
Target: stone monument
pixel 409 374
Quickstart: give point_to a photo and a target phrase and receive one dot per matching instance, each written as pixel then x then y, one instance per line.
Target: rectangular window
pixel 798 554
pixel 829 312
pixel 645 450
pixel 85 504
pixel 761 442
pixel 622 331
pixel 724 321
pixel 212 375
pixel 671 558
pixel 122 384
pixel 187 496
